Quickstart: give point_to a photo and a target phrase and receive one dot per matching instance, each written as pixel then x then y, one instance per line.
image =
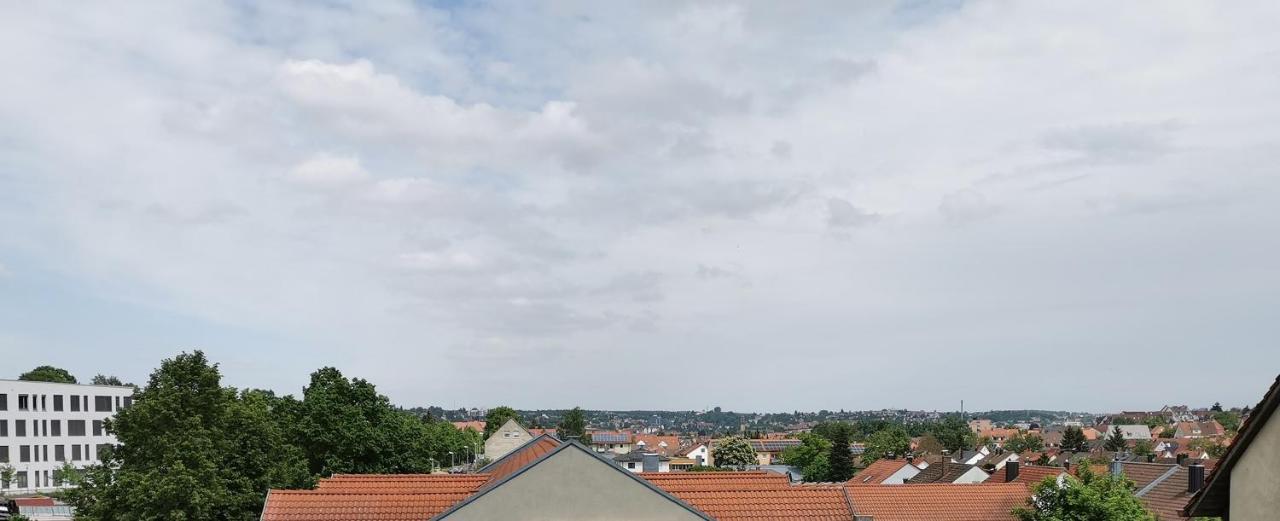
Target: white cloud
pixel 511 182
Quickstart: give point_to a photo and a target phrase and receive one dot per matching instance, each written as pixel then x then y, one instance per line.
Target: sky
pixel 764 206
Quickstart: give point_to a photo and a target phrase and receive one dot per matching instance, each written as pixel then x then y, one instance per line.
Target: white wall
pixel 39 419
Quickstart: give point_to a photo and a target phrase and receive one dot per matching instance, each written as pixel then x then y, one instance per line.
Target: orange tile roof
pixel 716 481
pixel 411 483
pixel 1169 496
pixel 477 425
pixel 517 459
pixel 313 505
pixel 966 502
pixel 781 504
pixel 877 472
pixel 653 442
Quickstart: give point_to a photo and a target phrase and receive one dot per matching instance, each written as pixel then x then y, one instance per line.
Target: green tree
pixel 733 451
pixel 498 416
pixel 1143 448
pixel 1115 441
pixel 189 450
pixel 48 373
pixel 1217 407
pixel 839 457
pixel 930 445
pixel 344 426
pixel 101 379
pixel 892 441
pixel 1230 421
pixel 810 455
pixel 1024 441
pixel 953 434
pixel 7 473
pixel 1088 497
pixel 573 426
pixel 1073 440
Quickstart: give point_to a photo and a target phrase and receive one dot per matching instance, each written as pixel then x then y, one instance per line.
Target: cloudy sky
pixel 761 206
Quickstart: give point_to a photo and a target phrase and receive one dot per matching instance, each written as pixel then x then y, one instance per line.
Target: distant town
pixel 82 450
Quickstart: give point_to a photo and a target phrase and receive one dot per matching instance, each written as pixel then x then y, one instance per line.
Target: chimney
pixel 1010 471
pixel 1117 468
pixel 911 460
pixel 649 462
pixel 1151 458
pixel 1195 478
pixel 1182 459
pixel 1066 464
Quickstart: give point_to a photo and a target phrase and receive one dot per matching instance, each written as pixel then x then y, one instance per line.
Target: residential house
pixel 700 453
pixel 1131 432
pixel 617 442
pixel 946 472
pixel 971 457
pixel 1243 486
pixel 664 445
pixel 769 452
pixel 978 426
pixel 641 460
pixel 886 472
pixel 477 426
pixel 997 460
pixel 1193 429
pixel 506 439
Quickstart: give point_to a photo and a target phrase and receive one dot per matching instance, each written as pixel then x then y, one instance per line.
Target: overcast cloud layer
pixel 761 206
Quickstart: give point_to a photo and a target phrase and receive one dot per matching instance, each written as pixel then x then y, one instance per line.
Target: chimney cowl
pixel 1195 478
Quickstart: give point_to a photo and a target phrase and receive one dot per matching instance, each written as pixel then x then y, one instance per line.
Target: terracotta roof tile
pixel 1169 496
pixel 952 502
pixel 312 505
pixel 517 459
pixel 716 481
pixel 878 471
pixel 782 503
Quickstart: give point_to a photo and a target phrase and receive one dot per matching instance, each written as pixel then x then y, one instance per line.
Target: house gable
pixel 571 484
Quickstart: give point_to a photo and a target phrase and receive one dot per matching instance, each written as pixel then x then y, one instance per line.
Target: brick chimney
pixel 1011 471
pixel 1195 478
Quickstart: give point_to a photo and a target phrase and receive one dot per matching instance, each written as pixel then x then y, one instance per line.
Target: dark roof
pixel 610 437
pixel 1214 498
pixel 935 474
pixel 521 456
pixel 636 455
pixel 1167 495
pixel 777 445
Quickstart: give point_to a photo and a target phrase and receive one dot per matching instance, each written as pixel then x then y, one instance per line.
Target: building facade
pixel 45 425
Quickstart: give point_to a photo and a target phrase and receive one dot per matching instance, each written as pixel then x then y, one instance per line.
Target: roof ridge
pixel 1172 470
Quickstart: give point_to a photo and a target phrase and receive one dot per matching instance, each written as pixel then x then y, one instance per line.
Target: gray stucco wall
pixel 1255 480
pixel 572 486
pixel 507 438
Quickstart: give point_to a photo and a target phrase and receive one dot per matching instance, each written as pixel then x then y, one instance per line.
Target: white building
pixel 45 425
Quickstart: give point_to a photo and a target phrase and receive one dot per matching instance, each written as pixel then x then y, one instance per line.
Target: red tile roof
pixel 716 481
pixel 1169 496
pixel 781 504
pixel 314 505
pixel 877 472
pixel 477 425
pixel 653 442
pixel 952 502
pixel 405 483
pixel 517 459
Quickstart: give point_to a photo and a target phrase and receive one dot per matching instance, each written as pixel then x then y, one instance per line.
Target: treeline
pixel 824 453
pixel 193 448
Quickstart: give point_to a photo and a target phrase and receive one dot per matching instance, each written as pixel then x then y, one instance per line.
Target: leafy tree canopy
pixel 1089 497
pixel 48 373
pixel 892 441
pixel 498 416
pixel 839 457
pixel 733 451
pixel 810 456
pixel 1024 441
pixel 101 379
pixel 1073 440
pixel 1115 441
pixel 190 448
pixel 573 426
pixel 953 434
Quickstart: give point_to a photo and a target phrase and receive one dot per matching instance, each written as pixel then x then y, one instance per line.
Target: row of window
pixel 76 403
pixel 50 428
pixel 42 479
pixel 38 453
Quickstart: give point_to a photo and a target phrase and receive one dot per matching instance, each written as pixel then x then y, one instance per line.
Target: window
pixel 24 402
pixel 57 427
pixel 44 453
pixel 22 479
pixel 4 453
pixel 4 428
pixel 24 453
pixel 4 402
pixel 97 427
pixel 60 452
pixel 44 404
pixel 19 427
pixel 75 453
pixel 117 403
pixel 128 402
pixel 631 464
pixel 75 403
pixel 101 404
pixel 75 427
pixel 57 403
